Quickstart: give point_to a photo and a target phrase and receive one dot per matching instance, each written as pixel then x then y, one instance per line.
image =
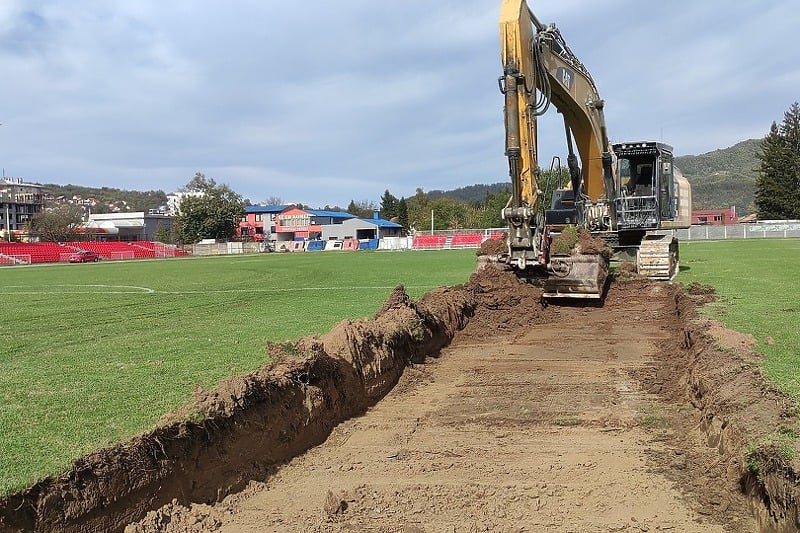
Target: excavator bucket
pixel 576 276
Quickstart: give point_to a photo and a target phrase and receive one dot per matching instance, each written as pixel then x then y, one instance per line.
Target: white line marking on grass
pixel 77 289
pixel 296 289
pixel 133 289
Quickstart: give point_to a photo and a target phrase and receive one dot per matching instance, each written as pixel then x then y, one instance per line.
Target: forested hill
pixel 107 196
pixel 723 178
pixel 471 194
pixel 720 179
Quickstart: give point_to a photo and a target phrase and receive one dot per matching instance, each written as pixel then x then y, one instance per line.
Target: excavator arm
pixel 539 70
pixel 549 73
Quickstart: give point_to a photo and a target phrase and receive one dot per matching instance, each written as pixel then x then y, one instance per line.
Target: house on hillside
pixel 174 200
pixel 19 201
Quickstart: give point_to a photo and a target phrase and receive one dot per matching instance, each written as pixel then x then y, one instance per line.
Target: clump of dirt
pixel 574 240
pixel 398 299
pixel 494 246
pixel 176 518
pixel 503 301
pixel 589 245
pixel 625 271
pixel 701 294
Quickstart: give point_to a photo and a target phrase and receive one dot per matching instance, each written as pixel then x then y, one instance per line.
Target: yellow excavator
pixel 621 193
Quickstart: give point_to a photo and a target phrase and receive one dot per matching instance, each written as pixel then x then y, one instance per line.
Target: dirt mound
pixel 398 299
pixel 576 240
pixel 494 246
pixel 175 518
pixel 699 293
pixel 590 245
pixel 504 303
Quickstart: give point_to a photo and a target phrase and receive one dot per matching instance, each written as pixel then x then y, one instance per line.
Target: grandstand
pixel 428 242
pixel 50 252
pixel 39 252
pixel 460 239
pixel 13 253
pixel 466 240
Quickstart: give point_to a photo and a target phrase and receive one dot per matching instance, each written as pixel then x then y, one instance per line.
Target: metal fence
pixel 781 229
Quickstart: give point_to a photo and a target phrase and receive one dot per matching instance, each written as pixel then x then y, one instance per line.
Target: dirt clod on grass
pixel 719 420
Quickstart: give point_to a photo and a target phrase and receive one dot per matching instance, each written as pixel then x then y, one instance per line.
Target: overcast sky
pixel 324 102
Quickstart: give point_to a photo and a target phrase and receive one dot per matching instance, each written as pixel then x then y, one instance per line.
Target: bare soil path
pixel 528 425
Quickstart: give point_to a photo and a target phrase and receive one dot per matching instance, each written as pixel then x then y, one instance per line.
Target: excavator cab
pixel 644 184
pixel 648 200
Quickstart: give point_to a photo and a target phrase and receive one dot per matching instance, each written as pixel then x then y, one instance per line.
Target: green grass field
pixel 92 354
pixel 758 282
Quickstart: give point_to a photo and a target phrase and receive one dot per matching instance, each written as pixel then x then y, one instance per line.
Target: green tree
pixel 388 205
pixel 491 209
pixel 163 234
pixel 362 208
pixel 448 213
pixel 419 213
pixel 402 213
pixel 57 224
pixel 778 183
pixel 200 183
pixel 214 214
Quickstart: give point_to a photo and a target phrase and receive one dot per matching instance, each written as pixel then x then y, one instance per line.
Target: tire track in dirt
pixel 537 429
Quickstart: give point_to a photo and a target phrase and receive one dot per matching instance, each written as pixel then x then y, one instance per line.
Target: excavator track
pixel 657 257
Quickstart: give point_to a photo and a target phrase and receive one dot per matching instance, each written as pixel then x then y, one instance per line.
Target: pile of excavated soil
pixel 590 245
pixel 502 303
pixel 558 370
pixel 494 246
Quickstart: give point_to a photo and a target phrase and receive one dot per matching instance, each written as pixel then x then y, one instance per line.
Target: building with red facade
pixel 715 217
pixel 294 224
pixel 259 221
pixel 282 223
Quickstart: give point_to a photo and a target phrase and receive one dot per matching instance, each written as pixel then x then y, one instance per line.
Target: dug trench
pixel 475 408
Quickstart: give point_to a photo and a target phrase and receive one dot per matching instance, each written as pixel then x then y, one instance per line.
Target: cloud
pixel 338 101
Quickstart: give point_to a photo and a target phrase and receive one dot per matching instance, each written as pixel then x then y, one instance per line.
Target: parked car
pixel 84 256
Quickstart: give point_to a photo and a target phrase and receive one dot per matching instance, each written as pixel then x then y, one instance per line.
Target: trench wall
pixel 246 426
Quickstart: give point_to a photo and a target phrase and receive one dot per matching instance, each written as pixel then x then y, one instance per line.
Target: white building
pixel 136 226
pixel 19 201
pixel 174 200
